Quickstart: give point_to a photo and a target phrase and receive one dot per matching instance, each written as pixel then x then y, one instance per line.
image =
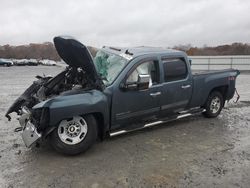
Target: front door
pixel 131 107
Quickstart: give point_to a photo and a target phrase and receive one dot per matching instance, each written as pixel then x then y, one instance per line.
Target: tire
pixel 64 140
pixel 214 104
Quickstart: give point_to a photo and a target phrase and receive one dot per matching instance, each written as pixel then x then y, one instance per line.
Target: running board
pixel 156 123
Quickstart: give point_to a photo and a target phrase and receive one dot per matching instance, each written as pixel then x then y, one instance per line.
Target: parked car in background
pixel 25 62
pixel 6 62
pixel 47 62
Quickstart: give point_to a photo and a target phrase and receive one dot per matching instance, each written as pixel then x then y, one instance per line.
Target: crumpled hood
pixel 75 54
pixel 81 72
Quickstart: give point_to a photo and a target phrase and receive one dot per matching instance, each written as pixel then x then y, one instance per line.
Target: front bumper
pixel 29 132
pixel 30 135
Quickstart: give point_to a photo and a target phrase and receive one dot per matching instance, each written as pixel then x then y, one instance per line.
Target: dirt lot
pixel 192 152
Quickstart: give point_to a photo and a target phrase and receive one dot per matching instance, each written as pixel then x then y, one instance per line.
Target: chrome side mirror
pixel 143 81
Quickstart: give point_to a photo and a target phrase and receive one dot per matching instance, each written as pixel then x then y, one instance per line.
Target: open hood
pixel 75 54
pixel 81 72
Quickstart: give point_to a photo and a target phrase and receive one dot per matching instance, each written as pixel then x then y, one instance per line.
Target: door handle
pixel 186 86
pixel 155 94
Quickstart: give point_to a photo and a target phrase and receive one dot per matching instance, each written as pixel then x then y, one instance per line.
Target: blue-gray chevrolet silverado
pixel 114 90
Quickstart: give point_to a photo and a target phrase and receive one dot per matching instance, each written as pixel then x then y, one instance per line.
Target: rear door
pixel 176 87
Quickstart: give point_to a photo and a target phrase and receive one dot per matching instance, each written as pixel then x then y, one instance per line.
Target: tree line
pixel 47 50
pixel 32 51
pixel 232 49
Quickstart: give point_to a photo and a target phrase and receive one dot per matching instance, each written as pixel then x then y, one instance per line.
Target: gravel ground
pixel 192 152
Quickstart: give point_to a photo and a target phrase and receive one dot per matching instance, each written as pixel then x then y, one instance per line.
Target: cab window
pixel 147 67
pixel 174 69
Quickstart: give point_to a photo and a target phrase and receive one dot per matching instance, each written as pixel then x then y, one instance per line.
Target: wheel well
pixel 222 90
pixel 100 123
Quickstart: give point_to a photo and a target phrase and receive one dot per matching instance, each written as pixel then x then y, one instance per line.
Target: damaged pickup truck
pixel 115 90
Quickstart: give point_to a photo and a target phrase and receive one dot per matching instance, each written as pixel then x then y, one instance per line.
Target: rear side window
pixel 174 69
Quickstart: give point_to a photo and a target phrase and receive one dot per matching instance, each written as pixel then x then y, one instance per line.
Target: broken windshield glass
pixel 109 65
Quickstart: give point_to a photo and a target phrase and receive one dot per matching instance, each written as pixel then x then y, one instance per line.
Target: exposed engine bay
pixel 46 87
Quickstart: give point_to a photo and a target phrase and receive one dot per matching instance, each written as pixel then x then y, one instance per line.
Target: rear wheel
pixel 214 104
pixel 74 135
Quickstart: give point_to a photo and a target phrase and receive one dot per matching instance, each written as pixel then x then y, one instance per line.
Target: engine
pixel 46 87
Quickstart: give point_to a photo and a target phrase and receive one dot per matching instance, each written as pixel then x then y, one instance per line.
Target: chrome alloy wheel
pixel 72 131
pixel 215 105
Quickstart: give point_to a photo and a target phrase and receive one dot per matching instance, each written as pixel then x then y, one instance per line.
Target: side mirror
pixel 143 81
pixel 141 84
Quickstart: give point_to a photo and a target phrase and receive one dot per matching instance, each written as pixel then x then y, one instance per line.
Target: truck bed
pixel 205 72
pixel 205 81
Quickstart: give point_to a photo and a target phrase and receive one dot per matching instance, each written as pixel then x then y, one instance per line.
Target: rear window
pixel 174 69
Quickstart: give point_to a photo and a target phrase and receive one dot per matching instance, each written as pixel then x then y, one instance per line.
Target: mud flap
pixel 238 96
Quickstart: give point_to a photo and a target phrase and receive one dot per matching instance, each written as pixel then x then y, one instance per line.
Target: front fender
pixel 67 106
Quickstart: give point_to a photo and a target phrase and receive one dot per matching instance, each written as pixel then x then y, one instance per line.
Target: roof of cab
pixel 143 50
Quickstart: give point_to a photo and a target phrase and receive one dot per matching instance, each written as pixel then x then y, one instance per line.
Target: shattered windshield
pixel 109 65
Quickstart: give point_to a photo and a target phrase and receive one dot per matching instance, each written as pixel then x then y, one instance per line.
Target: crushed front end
pixel 79 75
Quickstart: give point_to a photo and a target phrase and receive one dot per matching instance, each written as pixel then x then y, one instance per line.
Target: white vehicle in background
pixel 47 62
pixel 24 62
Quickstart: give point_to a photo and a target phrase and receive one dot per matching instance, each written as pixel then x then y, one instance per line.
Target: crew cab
pixel 115 90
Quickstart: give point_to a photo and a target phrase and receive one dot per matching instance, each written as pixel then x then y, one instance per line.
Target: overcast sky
pixel 126 23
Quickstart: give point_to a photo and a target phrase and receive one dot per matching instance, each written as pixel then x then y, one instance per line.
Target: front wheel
pixel 214 104
pixel 74 135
